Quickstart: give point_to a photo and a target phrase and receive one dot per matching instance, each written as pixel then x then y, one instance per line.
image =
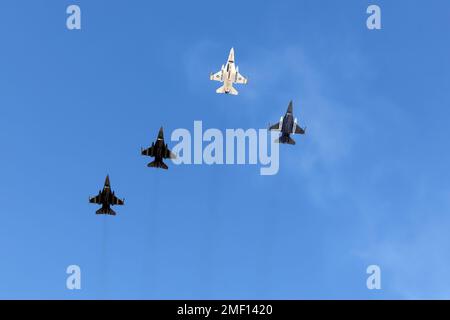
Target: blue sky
pixel 368 183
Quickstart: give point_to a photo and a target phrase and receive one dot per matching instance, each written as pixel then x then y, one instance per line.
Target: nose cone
pixel 231 55
pixel 107 183
pixel 161 134
pixel 289 109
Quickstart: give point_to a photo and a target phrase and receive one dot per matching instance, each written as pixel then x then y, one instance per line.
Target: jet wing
pixel 169 154
pixel 240 79
pixel 275 127
pixel 117 201
pixel 299 130
pixel 96 199
pixel 148 152
pixel 218 76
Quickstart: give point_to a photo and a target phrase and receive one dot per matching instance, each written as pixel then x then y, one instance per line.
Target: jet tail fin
pixel 158 164
pixel 285 139
pixel 105 210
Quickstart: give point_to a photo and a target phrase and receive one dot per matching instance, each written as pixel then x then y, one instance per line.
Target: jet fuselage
pixel 288 124
pixel 159 149
pixel 229 75
pixel 106 197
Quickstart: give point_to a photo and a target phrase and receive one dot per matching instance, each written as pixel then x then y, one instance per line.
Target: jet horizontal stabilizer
pixel 157 164
pixel 107 211
pixel 285 139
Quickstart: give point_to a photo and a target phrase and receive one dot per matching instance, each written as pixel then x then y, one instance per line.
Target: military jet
pixel 106 198
pixel 229 74
pixel 159 151
pixel 286 126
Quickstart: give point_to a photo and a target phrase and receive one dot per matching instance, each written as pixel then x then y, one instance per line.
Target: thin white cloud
pixel 413 254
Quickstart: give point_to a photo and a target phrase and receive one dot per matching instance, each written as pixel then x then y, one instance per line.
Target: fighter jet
pixel 106 198
pixel 229 74
pixel 159 151
pixel 286 126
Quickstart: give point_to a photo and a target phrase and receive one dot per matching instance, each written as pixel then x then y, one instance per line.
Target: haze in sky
pixel 368 184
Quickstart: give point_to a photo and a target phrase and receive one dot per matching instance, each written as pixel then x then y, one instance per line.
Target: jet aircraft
pixel 229 74
pixel 159 151
pixel 106 198
pixel 286 126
